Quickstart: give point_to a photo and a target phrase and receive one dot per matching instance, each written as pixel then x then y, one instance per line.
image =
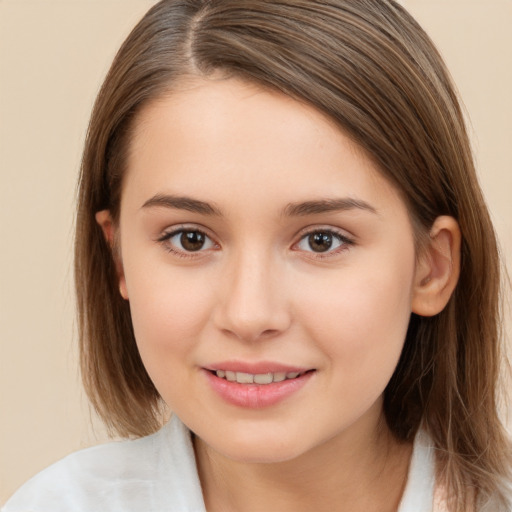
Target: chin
pixel 260 449
pixel 262 454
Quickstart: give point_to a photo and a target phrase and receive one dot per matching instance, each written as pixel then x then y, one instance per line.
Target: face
pixel 269 269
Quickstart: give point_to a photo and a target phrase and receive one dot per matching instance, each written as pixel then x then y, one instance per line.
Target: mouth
pixel 257 378
pixel 259 386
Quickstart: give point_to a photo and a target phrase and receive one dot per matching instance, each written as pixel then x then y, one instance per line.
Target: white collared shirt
pixel 158 474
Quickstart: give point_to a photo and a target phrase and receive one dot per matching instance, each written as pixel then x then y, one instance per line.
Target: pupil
pixel 192 240
pixel 320 242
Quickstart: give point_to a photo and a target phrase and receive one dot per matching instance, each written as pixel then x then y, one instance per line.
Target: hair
pixel 371 68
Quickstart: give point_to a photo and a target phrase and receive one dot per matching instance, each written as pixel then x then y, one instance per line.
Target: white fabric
pixel 419 491
pixel 158 474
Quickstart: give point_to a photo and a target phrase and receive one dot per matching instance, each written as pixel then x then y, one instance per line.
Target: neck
pixel 351 472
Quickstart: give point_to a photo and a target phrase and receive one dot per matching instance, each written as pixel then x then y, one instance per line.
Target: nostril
pixel 247 334
pixel 269 332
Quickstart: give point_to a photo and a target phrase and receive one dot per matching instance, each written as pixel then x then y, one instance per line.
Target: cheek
pixel 169 309
pixel 359 317
pixel 360 329
pixel 169 313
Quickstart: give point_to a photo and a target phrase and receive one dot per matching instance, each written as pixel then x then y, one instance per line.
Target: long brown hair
pixel 372 69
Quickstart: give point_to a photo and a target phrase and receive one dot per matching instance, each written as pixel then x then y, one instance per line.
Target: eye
pixel 323 241
pixel 187 240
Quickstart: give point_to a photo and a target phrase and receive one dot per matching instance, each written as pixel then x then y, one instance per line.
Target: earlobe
pixel 438 268
pixel 104 220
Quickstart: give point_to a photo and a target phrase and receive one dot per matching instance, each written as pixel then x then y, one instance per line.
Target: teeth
pixel 279 377
pixel 260 378
pixel 245 378
pixel 265 378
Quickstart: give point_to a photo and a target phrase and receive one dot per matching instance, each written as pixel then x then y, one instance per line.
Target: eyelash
pixel 167 236
pixel 345 242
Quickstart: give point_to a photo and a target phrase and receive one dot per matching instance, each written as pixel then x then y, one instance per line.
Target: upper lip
pixel 256 368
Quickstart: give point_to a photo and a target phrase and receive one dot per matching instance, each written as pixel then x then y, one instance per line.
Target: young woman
pixel 281 239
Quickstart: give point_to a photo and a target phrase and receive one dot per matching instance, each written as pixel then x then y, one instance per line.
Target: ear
pixel 438 268
pixel 104 219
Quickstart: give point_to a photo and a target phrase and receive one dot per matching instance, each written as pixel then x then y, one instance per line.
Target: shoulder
pixel 128 476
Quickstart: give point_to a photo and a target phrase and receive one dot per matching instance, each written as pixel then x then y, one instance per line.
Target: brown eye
pixel 320 241
pixel 186 241
pixel 324 241
pixel 192 240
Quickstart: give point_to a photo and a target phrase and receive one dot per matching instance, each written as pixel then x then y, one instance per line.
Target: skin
pixel 259 291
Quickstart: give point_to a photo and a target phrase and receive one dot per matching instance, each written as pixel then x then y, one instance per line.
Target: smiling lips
pixel 256 389
pixel 259 378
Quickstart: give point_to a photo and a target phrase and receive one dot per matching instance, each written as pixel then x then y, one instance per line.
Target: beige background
pixel 53 56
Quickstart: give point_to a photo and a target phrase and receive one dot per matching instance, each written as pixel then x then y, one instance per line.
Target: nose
pixel 253 303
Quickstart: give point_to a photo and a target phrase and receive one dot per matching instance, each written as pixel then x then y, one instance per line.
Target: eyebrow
pixel 298 209
pixel 326 206
pixel 182 203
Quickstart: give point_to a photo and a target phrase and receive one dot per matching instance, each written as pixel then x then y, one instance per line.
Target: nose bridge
pixel 253 303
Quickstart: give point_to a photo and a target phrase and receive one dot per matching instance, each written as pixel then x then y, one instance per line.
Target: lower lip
pixel 256 396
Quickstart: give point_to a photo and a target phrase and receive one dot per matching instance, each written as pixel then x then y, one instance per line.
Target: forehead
pixel 225 138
